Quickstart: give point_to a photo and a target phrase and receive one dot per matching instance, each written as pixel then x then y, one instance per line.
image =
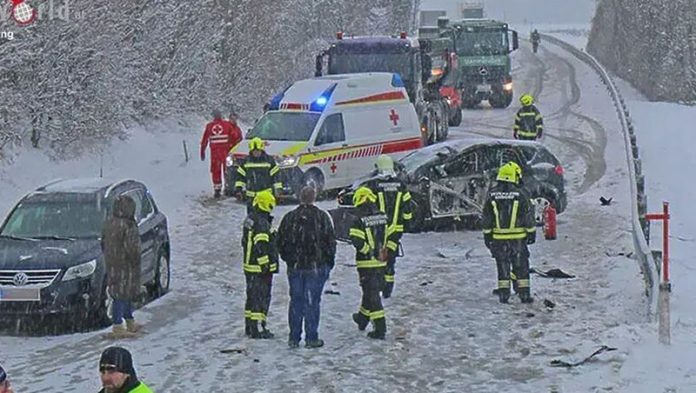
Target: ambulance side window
pixel 331 131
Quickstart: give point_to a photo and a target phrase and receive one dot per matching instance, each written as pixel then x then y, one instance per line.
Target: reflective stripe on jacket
pixel 508 213
pixel 258 243
pixel 367 233
pixel 256 174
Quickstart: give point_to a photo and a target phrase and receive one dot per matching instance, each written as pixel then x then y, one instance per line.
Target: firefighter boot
pixel 216 194
pixel 525 296
pixel 254 329
pixel 247 326
pixel 503 294
pixel 361 320
pixel 380 329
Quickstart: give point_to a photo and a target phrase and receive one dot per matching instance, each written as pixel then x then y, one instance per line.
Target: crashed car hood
pixel 46 254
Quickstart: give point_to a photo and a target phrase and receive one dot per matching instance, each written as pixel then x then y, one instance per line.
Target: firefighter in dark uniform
pixel 260 263
pixel 367 233
pixel 257 172
pixel 529 124
pixel 508 227
pixel 394 200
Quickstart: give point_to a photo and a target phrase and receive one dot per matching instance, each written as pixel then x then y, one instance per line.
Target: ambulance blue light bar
pixel 396 81
pixel 274 103
pixel 320 103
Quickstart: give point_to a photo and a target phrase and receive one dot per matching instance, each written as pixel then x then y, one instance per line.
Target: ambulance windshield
pixel 285 126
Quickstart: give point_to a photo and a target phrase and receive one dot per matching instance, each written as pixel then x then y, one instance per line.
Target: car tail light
pixel 559 170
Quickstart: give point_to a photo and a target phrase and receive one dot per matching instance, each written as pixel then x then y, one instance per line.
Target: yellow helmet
pixel 256 144
pixel 384 163
pixel 526 99
pixel 510 172
pixel 362 195
pixel 264 201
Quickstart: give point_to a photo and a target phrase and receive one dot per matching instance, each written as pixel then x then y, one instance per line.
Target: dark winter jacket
pixel 258 243
pixel 367 235
pixel 394 200
pixel 508 215
pixel 256 174
pixel 529 124
pixel 121 248
pixel 132 385
pixel 306 238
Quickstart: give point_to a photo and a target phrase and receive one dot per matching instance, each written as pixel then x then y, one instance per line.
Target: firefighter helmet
pixel 256 144
pixel 384 163
pixel 526 100
pixel 264 201
pixel 362 195
pixel 510 172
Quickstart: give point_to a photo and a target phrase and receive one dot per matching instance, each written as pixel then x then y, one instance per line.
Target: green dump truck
pixel 483 50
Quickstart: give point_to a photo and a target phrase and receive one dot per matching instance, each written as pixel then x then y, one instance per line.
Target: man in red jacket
pixel 222 136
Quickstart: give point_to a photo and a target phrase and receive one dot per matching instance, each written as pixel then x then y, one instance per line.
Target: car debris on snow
pixel 561 363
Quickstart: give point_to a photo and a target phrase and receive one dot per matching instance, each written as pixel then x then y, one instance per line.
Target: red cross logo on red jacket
pixel 217 129
pixel 393 116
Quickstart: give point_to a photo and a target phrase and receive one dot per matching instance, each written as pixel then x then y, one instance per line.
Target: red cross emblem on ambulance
pixel 394 117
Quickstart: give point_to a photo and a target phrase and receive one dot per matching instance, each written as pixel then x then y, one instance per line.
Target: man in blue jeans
pixel 306 242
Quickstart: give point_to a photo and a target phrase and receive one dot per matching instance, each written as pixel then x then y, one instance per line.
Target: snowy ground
pixel 665 134
pixel 446 330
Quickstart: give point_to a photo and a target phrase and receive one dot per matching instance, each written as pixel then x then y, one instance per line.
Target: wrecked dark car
pixel 449 181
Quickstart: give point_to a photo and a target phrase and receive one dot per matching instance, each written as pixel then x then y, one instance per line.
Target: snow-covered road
pixel 447 332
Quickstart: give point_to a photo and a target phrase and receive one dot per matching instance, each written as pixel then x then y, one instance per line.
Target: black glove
pixel 531 237
pixel 488 239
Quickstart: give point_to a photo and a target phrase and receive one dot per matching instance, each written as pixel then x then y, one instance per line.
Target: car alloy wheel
pixel 540 204
pixel 163 274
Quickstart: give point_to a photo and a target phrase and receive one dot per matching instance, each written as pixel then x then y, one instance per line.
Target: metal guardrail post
pixel 640 225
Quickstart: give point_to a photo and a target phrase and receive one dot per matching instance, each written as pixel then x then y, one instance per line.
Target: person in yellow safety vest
pixel 260 263
pixel 257 172
pixel 367 236
pixel 394 200
pixel 529 124
pixel 508 227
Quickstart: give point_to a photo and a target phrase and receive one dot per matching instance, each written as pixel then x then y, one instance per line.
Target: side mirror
pixel 515 40
pixel 318 65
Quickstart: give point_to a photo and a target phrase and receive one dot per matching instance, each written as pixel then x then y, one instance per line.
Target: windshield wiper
pixel 31 239
pixel 54 237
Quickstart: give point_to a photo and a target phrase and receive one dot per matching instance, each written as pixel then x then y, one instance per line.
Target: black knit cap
pixel 119 357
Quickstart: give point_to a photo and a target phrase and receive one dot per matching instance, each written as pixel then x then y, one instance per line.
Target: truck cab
pixel 397 54
pixel 483 48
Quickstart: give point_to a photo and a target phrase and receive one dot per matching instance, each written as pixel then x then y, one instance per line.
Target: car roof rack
pixel 116 184
pixel 52 182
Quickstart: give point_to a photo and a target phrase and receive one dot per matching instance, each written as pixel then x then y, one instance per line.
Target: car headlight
pixel 229 161
pixel 287 161
pixel 507 86
pixel 80 271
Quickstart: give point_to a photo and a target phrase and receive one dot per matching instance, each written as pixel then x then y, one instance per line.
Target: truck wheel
pixel 456 117
pixel 500 100
pixel 442 129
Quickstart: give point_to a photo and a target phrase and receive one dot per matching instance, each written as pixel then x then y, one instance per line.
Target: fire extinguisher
pixel 550 222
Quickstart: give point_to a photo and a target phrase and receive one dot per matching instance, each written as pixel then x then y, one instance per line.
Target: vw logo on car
pixel 20 279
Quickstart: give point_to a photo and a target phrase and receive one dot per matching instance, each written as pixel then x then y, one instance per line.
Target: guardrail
pixel 639 200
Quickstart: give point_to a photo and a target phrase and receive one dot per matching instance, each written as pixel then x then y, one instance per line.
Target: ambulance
pixel 327 131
